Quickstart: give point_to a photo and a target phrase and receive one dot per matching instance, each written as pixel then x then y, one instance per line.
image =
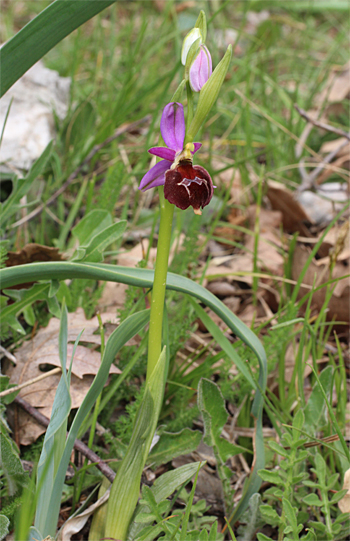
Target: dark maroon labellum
pixel 187 185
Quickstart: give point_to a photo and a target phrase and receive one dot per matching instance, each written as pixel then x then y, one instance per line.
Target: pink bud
pixel 201 69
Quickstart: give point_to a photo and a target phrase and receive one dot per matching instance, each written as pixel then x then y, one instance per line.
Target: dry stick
pixel 30 382
pixel 310 179
pixel 322 125
pixel 73 176
pixel 78 444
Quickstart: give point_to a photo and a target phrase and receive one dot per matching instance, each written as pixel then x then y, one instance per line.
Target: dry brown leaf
pixel 339 304
pixel 282 199
pixel 231 267
pixel 230 178
pixel 331 146
pixel 138 252
pixel 221 288
pixel 338 87
pixel 31 253
pixel 344 503
pixel 113 296
pixel 41 353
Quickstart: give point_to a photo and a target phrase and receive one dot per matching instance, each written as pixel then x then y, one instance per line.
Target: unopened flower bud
pixel 201 69
pixel 191 37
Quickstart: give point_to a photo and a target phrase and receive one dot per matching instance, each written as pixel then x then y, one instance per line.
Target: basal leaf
pixel 173 445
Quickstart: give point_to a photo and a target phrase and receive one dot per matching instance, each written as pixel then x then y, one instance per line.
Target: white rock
pixel 30 124
pixel 323 205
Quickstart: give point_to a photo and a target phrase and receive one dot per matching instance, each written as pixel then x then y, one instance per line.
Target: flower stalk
pixel 158 290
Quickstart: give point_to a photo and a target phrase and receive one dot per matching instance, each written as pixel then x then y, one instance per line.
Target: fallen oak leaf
pixel 41 353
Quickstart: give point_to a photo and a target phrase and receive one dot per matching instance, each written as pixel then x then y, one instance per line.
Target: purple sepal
pixel 201 69
pixel 197 146
pixel 172 126
pixel 155 176
pixel 163 152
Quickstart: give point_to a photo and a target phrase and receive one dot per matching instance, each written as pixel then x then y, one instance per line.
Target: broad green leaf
pixel 4 386
pixel 163 488
pixel 290 514
pixel 62 270
pixel 126 330
pixel 250 519
pixel 144 278
pixel 10 464
pixel 173 445
pixel 270 515
pixel 316 408
pixel 93 252
pixel 271 477
pixel 55 436
pixel 22 185
pixel 212 407
pixel 93 223
pixel 126 486
pixel 4 526
pixel 41 34
pixel 313 499
pixel 24 299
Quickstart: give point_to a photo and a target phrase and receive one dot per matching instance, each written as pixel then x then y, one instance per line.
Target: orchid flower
pixel 184 184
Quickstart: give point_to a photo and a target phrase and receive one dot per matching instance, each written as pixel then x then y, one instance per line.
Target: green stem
pixel 189 111
pixel 158 291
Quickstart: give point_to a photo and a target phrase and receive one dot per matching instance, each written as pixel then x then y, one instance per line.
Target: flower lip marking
pixel 188 185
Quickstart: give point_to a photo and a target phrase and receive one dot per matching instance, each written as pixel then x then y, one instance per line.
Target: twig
pixel 309 180
pixel 73 176
pixel 78 444
pixel 30 382
pixel 321 125
pixel 8 355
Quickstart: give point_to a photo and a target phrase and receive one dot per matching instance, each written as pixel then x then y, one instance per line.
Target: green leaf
pixel 144 278
pixel 270 515
pixel 273 477
pixel 338 496
pixel 223 342
pixel 316 408
pixel 313 499
pixel 203 536
pixel 278 449
pixel 93 252
pixel 41 34
pixel 209 94
pixel 298 423
pixel 212 407
pixel 11 464
pixel 4 526
pixel 4 385
pixel 171 445
pixel 55 437
pixel 290 515
pixel 263 537
pixel 163 488
pixel 126 330
pixel 126 486
pixel 22 185
pixel 25 298
pixel 250 519
pixel 93 223
pixel 318 526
